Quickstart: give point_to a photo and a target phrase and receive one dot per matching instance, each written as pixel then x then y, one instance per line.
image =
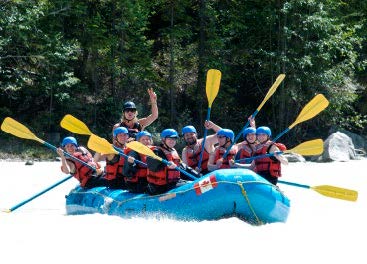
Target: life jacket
pixel 114 167
pixel 166 175
pixel 141 171
pixel 132 131
pixel 82 172
pixel 193 157
pixel 270 165
pixel 245 151
pixel 219 152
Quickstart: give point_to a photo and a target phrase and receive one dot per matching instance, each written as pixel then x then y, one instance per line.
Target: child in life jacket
pixel 246 149
pixel 76 166
pixel 216 161
pixel 115 162
pixel 194 146
pixel 268 167
pixel 162 178
pixel 136 173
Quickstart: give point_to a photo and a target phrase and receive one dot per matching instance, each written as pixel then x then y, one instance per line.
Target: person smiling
pixel 129 118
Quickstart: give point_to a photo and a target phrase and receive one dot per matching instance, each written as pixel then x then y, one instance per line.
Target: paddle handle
pixel 36 195
pixel 192 177
pixel 204 139
pixel 121 152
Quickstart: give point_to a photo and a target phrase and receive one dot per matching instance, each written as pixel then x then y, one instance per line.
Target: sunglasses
pixel 130 110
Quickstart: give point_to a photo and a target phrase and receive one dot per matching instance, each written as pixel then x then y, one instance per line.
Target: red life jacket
pixel 267 164
pixel 193 157
pixel 82 172
pixel 141 170
pixel 219 152
pixel 166 175
pixel 115 166
pixel 245 151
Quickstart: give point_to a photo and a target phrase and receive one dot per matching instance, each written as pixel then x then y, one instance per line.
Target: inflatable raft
pixel 220 194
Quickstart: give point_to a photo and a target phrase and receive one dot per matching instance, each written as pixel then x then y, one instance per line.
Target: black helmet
pixel 129 105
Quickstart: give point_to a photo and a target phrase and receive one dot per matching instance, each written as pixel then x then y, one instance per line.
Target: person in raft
pixel 87 177
pixel 136 173
pixel 216 161
pixel 115 162
pixel 129 118
pixel 194 146
pixel 162 178
pixel 268 167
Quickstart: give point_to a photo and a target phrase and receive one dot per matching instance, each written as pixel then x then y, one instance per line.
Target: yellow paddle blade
pixel 142 149
pixel 272 90
pixel 314 107
pixel 336 192
pixel 100 145
pixel 74 125
pixel 12 126
pixel 212 85
pixel 308 148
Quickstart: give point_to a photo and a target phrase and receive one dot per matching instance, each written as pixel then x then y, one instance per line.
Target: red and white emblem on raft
pixel 206 184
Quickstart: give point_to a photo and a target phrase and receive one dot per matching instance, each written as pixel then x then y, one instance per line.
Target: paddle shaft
pixel 239 134
pixel 36 195
pixel 203 143
pixel 192 177
pixel 121 152
pixel 248 160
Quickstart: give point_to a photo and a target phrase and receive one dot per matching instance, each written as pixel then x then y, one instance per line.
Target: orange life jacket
pixel 167 175
pixel 245 151
pixel 219 152
pixel 193 157
pixel 141 171
pixel 114 167
pixel 82 172
pixel 267 164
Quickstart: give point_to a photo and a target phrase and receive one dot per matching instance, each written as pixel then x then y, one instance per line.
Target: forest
pixel 87 57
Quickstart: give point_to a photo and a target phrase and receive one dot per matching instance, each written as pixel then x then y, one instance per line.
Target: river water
pixel 319 229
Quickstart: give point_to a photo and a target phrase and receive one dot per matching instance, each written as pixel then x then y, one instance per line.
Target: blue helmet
pixel 120 130
pixel 263 130
pixel 169 132
pixel 143 133
pixel 129 105
pixel 188 129
pixel 249 130
pixel 69 140
pixel 227 133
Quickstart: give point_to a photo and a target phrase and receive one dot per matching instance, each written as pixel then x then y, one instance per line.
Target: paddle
pixel 138 147
pixel 36 195
pixel 12 126
pixel 212 87
pixel 329 191
pixel 308 148
pixel 314 107
pixel 271 91
pixel 97 144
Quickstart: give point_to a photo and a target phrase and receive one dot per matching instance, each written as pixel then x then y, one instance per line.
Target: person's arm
pixel 279 157
pixel 66 167
pixel 211 165
pixel 211 140
pixel 184 155
pixel 146 121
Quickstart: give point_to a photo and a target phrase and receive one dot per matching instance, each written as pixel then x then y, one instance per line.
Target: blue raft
pixel 220 194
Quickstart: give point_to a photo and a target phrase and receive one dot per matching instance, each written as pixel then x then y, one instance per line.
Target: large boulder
pixel 338 147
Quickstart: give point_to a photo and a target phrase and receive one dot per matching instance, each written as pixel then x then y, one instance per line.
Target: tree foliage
pixel 86 58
